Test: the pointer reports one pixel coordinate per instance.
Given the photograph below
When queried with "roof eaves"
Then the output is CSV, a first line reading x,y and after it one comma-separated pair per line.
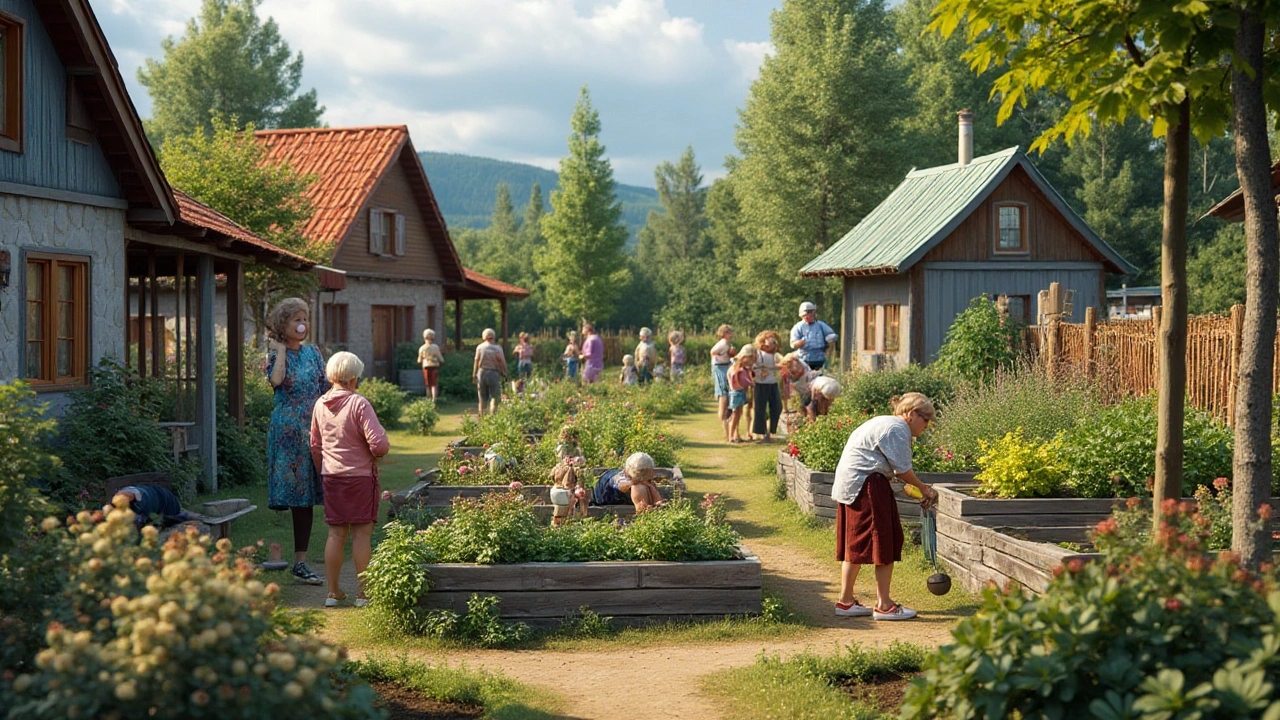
x,y
851,272
415,163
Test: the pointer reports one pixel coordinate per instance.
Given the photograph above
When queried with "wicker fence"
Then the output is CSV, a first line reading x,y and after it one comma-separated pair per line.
x,y
1122,356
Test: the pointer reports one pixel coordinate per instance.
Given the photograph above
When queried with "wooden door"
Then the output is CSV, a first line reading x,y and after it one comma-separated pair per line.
x,y
384,345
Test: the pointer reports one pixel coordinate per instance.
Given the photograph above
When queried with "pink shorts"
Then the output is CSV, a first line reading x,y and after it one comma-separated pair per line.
x,y
351,500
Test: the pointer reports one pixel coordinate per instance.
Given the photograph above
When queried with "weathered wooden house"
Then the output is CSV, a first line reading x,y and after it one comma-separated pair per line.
x,y
86,213
990,225
373,202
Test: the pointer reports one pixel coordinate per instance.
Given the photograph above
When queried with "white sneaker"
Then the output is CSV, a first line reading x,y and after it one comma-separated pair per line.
x,y
897,612
853,609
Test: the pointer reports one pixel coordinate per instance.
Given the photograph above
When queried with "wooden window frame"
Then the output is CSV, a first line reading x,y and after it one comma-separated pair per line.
x,y
392,233
335,323
892,328
1023,216
82,337
11,137
869,342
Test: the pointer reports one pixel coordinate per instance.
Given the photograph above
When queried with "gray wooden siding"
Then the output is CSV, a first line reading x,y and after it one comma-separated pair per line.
x,y
48,159
947,292
881,289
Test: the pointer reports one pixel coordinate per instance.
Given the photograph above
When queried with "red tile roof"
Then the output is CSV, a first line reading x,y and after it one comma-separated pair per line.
x,y
194,212
348,164
495,286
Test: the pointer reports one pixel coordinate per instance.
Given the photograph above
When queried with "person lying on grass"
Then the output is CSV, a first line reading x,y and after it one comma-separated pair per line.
x,y
634,482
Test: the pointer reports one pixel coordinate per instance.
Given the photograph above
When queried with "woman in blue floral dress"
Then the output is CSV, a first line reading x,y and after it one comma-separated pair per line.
x,y
296,371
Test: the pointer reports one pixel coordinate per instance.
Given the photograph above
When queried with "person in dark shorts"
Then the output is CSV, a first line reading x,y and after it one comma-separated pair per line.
x,y
868,529
633,483
147,501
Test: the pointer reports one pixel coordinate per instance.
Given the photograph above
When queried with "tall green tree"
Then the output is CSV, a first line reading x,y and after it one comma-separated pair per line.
x,y
229,63
582,266
227,171
504,223
531,226
1113,59
819,142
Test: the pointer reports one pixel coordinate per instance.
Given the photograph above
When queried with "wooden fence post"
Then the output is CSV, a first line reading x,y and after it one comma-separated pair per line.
x,y
1237,333
1090,341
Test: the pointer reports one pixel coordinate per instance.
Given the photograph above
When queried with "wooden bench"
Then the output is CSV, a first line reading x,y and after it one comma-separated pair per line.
x,y
218,514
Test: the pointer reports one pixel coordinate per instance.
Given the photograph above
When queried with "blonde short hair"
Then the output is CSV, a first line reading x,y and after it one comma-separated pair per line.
x,y
489,334
279,316
524,336
645,333
573,335
720,331
428,334
767,335
826,386
565,475
675,337
638,467
628,359
912,401
343,367
746,351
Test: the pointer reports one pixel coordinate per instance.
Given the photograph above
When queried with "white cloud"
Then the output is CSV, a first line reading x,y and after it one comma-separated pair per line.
x,y
748,56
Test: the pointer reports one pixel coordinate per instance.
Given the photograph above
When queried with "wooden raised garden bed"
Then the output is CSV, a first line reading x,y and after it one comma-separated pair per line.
x,y
811,490
631,592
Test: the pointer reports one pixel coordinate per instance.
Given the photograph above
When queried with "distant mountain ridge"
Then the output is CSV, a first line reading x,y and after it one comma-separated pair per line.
x,y
466,186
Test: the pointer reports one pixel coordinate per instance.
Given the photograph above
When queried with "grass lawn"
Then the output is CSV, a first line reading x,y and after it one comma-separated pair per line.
x,y
500,697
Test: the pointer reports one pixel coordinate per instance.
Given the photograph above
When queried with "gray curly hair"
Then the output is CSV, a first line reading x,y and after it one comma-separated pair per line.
x,y
280,314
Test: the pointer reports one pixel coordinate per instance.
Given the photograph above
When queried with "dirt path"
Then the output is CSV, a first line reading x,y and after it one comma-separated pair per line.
x,y
808,583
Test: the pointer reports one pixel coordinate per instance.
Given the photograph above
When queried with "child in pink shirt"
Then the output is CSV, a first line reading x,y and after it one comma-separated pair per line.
x,y
346,442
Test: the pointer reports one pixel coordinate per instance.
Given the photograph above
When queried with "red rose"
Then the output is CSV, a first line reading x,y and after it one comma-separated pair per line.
x,y
1173,604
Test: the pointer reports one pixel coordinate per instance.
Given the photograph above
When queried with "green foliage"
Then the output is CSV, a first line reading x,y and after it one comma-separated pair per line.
x,y
479,626
422,415
1214,273
226,169
820,146
1024,397
498,695
1112,452
871,392
821,442
24,459
198,638
582,264
454,380
396,578
407,356
242,452
979,343
228,63
1013,467
1156,628
386,398
110,430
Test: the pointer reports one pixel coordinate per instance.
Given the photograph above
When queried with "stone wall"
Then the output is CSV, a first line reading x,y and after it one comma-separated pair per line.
x,y
361,294
32,224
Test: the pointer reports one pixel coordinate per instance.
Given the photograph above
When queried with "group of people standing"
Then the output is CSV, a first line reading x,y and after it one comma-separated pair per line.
x,y
759,369
323,446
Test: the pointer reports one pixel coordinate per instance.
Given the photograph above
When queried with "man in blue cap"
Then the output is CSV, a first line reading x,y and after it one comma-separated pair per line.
x,y
811,336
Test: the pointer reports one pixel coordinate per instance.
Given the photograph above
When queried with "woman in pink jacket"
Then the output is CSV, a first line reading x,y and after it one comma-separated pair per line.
x,y
346,442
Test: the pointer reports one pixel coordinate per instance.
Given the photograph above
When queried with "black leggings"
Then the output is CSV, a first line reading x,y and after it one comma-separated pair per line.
x,y
767,395
302,519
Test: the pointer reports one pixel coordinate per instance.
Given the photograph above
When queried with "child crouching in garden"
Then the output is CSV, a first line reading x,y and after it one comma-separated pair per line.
x,y
346,442
629,375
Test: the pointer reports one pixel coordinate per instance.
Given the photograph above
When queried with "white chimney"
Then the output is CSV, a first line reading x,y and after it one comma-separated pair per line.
x,y
966,136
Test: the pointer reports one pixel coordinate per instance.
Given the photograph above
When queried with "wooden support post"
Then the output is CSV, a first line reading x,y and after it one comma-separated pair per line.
x,y
157,320
235,343
457,324
206,382
128,362
502,306
178,345
1090,341
1233,366
141,325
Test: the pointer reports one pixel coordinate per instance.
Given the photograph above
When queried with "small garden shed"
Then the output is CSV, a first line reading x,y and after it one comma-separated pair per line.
x,y
990,225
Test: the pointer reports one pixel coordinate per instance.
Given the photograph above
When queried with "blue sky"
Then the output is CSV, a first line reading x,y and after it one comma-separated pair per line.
x,y
498,78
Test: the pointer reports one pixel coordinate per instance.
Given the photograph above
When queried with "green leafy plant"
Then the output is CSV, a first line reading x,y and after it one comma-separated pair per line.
x,y
820,443
423,416
979,343
870,392
407,356
387,400
184,629
1014,467
1155,628
481,625
24,459
1112,452
396,577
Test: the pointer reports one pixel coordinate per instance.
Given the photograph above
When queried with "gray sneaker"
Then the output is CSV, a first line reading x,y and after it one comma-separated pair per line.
x,y
305,574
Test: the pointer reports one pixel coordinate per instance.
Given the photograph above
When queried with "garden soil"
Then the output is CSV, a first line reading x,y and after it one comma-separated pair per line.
x,y
657,682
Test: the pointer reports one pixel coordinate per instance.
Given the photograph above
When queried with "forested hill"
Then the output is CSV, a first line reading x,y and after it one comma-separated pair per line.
x,y
465,187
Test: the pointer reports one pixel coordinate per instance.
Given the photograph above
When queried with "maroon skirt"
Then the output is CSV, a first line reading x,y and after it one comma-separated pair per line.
x,y
868,532
351,500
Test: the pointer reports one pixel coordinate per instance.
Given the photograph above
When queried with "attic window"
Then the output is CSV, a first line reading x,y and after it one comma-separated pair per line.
x,y
386,233
1011,228
10,83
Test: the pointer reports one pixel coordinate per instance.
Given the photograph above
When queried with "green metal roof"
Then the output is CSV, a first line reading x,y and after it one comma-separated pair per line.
x,y
927,207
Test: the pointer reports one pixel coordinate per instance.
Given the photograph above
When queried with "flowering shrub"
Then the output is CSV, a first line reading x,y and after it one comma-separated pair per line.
x,y
182,630
1153,629
820,443
1014,467
387,400
422,415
